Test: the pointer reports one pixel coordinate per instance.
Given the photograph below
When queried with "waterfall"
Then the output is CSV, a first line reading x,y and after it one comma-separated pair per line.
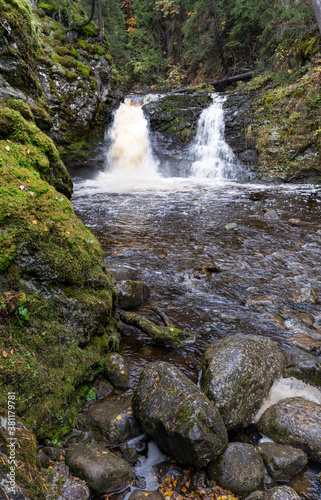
x,y
130,154
213,157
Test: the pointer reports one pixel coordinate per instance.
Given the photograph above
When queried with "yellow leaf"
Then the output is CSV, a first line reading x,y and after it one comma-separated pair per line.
x,y
122,372
45,228
28,151
7,148
157,378
118,417
34,222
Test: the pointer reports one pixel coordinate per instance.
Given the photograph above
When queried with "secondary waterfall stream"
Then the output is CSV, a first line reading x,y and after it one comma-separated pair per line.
x,y
165,224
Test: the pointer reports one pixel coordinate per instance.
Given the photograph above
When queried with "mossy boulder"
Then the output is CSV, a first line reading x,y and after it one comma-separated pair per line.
x,y
56,296
173,410
282,462
295,422
116,369
237,373
303,365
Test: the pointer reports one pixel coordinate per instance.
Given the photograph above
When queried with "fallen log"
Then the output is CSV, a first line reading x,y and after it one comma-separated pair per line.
x,y
162,315
170,336
221,84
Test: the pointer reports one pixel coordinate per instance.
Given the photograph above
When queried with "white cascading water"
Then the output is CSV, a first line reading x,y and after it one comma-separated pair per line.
x,y
130,154
213,157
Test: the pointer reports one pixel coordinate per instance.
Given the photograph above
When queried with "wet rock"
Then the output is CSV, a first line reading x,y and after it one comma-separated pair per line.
x,y
116,369
295,222
230,226
306,295
181,419
168,469
102,470
282,462
145,495
256,495
237,373
302,365
130,455
104,389
132,294
259,301
114,420
240,469
296,422
271,215
198,480
43,461
65,487
52,452
281,493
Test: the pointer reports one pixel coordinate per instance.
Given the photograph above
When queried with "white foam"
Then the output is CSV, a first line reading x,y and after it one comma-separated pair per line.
x,y
288,388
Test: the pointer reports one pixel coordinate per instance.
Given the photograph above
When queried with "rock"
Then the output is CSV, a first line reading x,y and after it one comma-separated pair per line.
x,y
130,455
198,480
145,495
306,295
114,419
116,369
237,373
65,487
271,215
102,470
259,301
231,226
281,493
132,294
256,495
240,469
282,462
296,422
104,389
43,461
302,365
52,452
181,419
295,222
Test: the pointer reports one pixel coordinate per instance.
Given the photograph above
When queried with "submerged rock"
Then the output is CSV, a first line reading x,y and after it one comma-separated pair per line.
x,y
114,420
132,294
296,422
102,470
240,469
237,373
116,369
181,419
306,295
282,462
230,226
281,493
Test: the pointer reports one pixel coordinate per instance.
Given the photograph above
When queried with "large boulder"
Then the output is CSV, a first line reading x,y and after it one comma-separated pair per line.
x,y
114,420
102,470
240,469
237,373
296,422
181,419
282,462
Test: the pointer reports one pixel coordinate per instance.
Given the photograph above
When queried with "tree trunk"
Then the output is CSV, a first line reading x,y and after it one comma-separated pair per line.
x,y
316,4
219,37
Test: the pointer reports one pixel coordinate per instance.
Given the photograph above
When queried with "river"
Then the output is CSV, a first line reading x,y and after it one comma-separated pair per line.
x,y
163,218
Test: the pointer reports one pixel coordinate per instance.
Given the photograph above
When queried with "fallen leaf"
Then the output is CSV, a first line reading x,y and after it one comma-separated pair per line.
x,y
4,353
7,148
157,378
67,232
45,228
122,372
12,351
32,216
61,457
118,417
23,187
28,151
34,222
43,333
32,193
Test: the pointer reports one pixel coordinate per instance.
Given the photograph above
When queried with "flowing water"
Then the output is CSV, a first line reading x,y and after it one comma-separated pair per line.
x,y
161,218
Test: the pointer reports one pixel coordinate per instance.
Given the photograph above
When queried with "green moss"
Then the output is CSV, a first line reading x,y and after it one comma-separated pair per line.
x,y
93,82
22,107
74,52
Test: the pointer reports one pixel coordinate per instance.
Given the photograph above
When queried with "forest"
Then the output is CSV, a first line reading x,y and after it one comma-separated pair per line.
x,y
169,43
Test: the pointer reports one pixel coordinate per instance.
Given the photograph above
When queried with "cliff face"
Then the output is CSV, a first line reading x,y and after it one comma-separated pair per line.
x,y
56,295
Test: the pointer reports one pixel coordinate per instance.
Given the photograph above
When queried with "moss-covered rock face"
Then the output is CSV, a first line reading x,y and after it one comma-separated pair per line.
x,y
177,114
286,128
56,296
